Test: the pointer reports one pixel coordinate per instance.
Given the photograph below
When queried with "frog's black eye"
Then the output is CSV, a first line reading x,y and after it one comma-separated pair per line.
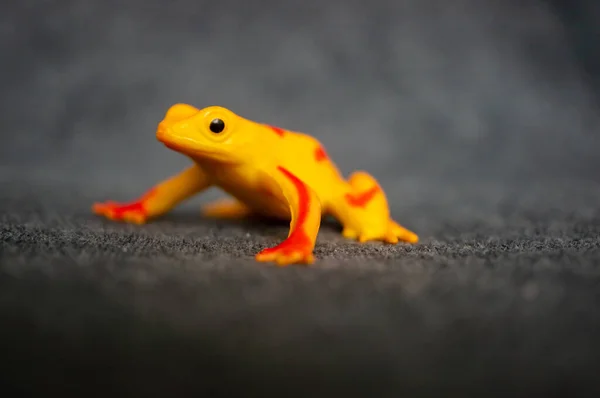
x,y
217,125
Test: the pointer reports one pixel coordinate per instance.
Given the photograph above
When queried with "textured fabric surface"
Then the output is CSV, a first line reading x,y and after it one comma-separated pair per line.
x,y
503,300
479,119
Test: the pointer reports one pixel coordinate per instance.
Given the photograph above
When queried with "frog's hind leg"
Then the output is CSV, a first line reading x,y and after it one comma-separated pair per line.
x,y
226,208
363,211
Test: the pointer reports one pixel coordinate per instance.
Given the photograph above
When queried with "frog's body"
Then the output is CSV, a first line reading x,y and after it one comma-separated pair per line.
x,y
268,171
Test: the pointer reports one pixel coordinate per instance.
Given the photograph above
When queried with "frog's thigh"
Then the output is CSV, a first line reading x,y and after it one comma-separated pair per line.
x,y
364,213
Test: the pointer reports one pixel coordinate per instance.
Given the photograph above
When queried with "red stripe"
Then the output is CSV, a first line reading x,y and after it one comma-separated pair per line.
x,y
362,199
298,240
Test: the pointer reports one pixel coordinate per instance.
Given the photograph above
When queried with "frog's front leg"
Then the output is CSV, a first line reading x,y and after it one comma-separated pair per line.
x,y
363,211
159,199
305,211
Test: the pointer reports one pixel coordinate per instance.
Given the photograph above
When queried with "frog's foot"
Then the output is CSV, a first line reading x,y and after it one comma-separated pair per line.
x,y
136,212
286,253
133,212
226,208
402,233
364,213
392,233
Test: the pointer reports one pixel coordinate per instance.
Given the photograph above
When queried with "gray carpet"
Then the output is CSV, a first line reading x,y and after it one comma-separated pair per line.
x,y
480,122
503,300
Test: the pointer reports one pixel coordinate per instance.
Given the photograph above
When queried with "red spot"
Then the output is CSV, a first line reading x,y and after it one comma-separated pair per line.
x,y
135,207
361,199
279,131
298,240
320,154
138,206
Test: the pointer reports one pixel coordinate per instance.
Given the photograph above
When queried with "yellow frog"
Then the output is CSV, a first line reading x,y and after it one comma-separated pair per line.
x,y
268,171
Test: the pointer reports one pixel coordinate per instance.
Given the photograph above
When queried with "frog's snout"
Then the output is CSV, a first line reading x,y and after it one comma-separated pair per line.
x,y
161,131
165,132
170,136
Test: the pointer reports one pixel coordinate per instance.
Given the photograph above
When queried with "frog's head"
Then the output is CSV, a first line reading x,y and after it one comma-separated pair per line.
x,y
214,133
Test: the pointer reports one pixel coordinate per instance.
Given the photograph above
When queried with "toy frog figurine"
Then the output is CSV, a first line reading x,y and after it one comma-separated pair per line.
x,y
268,171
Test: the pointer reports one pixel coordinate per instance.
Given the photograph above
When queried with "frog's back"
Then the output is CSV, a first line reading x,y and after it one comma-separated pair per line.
x,y
306,157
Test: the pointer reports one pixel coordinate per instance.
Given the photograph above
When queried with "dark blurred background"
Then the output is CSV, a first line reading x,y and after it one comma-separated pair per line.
x,y
480,119
421,92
